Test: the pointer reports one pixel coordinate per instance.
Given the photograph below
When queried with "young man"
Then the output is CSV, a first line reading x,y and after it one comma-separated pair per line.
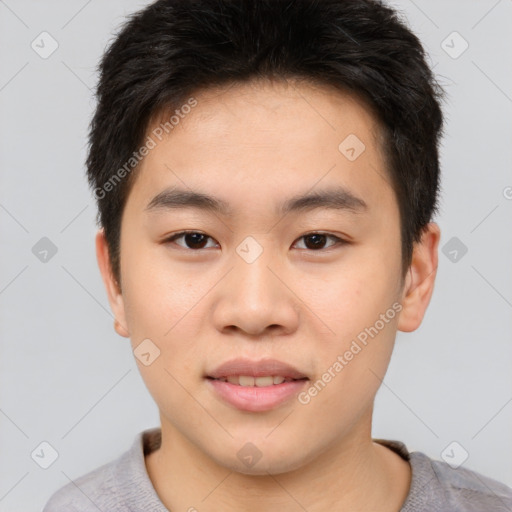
x,y
266,172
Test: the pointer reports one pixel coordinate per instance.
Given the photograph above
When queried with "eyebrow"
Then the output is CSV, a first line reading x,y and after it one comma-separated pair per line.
x,y
338,198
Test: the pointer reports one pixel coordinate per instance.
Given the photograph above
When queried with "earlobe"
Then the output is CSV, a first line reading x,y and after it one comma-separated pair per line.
x,y
420,279
114,294
121,329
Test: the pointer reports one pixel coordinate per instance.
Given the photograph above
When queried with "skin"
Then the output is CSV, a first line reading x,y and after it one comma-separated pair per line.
x,y
254,145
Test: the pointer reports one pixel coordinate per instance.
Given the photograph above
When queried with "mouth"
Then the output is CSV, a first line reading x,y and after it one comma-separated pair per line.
x,y
256,385
261,382
256,394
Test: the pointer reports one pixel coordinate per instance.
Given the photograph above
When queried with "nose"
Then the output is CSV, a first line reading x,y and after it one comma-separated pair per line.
x,y
256,299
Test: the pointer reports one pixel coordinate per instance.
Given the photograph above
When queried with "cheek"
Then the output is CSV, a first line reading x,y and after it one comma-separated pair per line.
x,y
353,298
155,295
350,374
164,305
158,308
361,309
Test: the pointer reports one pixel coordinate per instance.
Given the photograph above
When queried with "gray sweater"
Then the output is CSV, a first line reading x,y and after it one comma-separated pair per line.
x,y
123,485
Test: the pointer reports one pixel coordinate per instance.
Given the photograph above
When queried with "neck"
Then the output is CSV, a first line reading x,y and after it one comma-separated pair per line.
x,y
354,474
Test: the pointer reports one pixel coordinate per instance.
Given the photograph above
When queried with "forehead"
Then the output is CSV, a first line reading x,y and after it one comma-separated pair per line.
x,y
263,139
289,109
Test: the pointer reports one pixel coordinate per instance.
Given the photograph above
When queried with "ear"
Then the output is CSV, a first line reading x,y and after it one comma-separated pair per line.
x,y
114,294
419,283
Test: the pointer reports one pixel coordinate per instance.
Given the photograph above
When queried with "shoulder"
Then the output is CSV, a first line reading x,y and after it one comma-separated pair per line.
x,y
107,487
88,492
438,487
468,490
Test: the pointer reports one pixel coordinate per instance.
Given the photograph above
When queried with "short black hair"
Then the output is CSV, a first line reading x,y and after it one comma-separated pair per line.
x,y
171,49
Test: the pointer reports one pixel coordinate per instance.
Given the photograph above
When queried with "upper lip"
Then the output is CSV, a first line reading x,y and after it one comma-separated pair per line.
x,y
260,368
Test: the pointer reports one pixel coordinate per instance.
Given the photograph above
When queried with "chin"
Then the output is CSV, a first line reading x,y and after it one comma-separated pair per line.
x,y
265,467
252,460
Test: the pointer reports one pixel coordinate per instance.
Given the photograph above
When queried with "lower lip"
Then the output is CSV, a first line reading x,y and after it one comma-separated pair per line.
x,y
254,398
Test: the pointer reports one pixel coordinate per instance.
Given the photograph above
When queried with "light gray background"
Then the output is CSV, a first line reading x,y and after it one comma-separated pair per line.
x,y
67,378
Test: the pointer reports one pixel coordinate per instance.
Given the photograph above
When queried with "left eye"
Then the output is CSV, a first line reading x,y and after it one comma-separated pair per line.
x,y
317,240
196,240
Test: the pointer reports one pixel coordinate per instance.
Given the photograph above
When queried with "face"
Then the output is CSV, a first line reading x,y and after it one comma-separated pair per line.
x,y
313,283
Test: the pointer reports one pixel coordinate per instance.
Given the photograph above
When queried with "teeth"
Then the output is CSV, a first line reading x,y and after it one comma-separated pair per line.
x,y
247,380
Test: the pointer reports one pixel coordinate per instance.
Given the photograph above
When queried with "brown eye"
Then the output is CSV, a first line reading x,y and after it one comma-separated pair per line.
x,y
317,241
193,239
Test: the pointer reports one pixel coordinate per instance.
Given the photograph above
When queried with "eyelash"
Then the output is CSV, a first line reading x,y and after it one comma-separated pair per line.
x,y
338,240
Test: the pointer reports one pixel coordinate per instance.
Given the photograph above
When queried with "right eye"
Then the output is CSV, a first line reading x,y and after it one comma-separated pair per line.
x,y
194,240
